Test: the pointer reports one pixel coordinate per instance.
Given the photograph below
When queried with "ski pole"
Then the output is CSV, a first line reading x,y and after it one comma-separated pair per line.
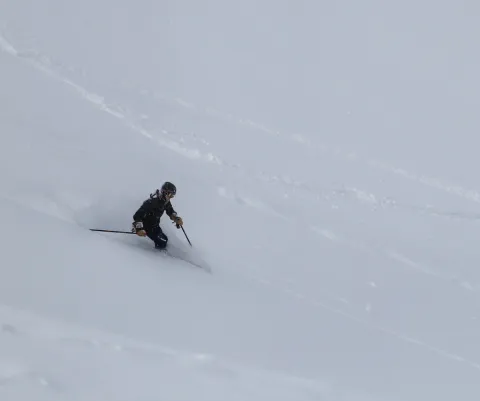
x,y
186,236
112,231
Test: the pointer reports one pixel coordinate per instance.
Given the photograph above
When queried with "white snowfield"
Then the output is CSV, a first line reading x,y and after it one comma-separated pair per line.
x,y
326,161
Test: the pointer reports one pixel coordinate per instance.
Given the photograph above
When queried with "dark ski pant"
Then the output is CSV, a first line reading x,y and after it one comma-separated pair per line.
x,y
156,234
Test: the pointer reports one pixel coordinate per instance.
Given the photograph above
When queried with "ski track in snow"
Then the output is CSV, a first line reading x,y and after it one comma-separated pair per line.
x,y
400,259
285,285
314,302
46,332
52,68
24,324
350,156
46,65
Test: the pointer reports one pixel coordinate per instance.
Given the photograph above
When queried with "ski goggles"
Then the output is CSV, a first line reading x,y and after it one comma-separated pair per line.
x,y
170,194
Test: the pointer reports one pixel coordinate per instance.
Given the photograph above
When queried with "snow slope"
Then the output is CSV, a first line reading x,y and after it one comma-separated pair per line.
x,y
325,160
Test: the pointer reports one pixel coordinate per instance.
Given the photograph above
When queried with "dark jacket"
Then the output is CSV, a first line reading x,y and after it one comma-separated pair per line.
x,y
152,210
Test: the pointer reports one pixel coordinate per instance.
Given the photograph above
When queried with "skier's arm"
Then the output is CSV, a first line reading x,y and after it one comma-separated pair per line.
x,y
142,211
173,215
170,211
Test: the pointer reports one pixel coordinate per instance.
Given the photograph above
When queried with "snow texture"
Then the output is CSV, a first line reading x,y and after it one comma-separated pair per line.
x,y
326,161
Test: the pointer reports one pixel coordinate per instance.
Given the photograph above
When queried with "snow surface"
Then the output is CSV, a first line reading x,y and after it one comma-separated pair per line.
x,y
325,155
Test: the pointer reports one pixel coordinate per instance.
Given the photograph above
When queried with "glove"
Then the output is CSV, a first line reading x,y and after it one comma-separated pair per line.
x,y
177,220
138,229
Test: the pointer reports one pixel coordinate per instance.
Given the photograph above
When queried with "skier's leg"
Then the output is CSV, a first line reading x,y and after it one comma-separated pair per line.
x,y
161,241
157,236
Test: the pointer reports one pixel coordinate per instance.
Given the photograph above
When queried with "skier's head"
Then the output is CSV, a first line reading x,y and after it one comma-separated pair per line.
x,y
168,190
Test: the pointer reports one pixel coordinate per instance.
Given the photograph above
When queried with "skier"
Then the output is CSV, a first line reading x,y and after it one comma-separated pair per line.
x,y
146,220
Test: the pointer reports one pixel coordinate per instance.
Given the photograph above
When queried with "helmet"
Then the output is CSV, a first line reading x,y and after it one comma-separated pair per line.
x,y
169,188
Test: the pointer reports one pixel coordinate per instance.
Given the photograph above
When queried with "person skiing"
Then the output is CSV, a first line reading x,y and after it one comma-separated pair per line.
x,y
146,220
